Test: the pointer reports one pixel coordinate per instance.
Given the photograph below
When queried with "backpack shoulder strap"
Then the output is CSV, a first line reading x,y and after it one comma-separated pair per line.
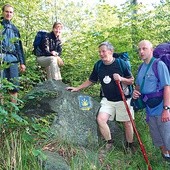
x,y
155,68
98,65
121,63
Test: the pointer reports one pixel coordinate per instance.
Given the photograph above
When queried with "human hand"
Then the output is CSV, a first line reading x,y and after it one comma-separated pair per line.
x,y
54,53
22,67
72,89
165,115
117,77
60,61
136,94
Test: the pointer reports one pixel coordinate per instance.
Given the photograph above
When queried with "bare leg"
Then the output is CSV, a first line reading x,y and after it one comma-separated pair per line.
x,y
102,119
128,131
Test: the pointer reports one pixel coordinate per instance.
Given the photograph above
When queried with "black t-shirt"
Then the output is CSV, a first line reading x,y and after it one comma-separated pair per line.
x,y
104,74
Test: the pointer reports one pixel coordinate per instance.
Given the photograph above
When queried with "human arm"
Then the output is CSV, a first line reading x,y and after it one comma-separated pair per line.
x,y
57,48
127,81
19,52
166,100
87,83
21,57
163,75
56,51
92,79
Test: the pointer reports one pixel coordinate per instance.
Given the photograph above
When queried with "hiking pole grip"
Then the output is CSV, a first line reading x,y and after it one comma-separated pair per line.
x,y
133,125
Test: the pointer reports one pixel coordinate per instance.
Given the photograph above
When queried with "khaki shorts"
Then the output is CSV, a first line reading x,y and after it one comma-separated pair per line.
x,y
116,110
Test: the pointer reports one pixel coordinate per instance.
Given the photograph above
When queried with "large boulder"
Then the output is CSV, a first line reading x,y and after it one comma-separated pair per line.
x,y
74,119
55,162
75,113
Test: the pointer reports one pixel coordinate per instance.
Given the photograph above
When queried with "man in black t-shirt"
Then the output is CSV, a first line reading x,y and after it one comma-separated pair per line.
x,y
112,105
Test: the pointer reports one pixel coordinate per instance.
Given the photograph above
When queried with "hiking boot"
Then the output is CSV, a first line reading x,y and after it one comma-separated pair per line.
x,y
108,147
130,148
167,159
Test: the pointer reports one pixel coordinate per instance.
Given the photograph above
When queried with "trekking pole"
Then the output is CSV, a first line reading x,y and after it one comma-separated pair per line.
x,y
134,127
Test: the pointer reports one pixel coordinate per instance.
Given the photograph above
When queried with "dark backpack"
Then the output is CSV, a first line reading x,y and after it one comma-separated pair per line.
x,y
124,56
40,36
121,56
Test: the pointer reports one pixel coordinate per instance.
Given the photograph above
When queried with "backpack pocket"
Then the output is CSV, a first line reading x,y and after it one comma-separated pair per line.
x,y
138,104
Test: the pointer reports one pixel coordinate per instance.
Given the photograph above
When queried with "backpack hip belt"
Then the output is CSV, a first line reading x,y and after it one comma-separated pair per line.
x,y
152,95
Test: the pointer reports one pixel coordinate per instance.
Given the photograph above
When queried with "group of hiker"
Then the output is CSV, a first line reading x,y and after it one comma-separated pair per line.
x,y
157,105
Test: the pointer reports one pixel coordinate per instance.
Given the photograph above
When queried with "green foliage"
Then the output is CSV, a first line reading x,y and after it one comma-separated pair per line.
x,y
84,30
19,134
18,153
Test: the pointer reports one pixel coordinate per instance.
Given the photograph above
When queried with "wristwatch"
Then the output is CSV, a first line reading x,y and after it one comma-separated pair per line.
x,y
166,107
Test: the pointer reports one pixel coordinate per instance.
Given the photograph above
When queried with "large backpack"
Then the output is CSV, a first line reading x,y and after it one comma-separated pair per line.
x,y
40,36
124,56
162,53
121,56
